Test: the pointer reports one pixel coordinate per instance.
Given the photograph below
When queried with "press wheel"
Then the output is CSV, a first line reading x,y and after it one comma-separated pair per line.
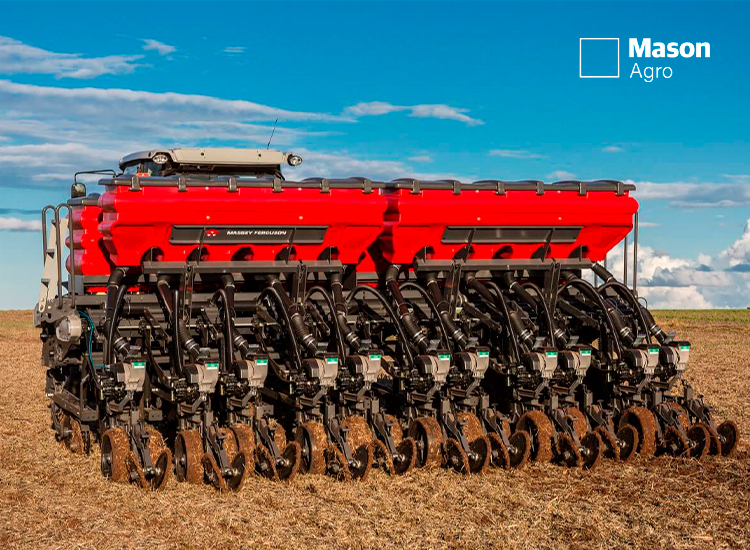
x,y
426,431
644,422
245,438
312,439
115,448
539,427
188,450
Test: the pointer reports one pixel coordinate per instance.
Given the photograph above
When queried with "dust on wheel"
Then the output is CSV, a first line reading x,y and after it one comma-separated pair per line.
x,y
500,457
568,453
381,457
265,465
312,439
426,431
609,440
456,458
539,427
188,456
644,422
115,447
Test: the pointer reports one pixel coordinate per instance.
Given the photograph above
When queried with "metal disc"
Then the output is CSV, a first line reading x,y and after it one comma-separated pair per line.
x,y
500,457
481,453
675,443
243,434
363,459
381,457
520,448
609,439
265,465
336,464
161,458
74,440
699,441
593,450
568,453
729,436
236,481
135,471
312,438
407,452
627,442
291,460
580,424
212,473
455,457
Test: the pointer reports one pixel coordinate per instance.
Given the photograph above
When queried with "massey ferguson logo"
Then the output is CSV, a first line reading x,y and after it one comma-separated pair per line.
x,y
212,232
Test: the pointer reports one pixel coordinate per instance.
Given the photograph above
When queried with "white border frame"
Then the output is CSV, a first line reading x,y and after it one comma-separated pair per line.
x,y
580,56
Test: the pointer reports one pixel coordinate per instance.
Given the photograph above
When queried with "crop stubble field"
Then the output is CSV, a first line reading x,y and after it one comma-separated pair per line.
x,y
51,499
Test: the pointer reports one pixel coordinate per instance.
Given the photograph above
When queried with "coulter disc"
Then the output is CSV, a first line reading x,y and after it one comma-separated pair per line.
x,y
539,427
312,439
115,447
644,422
426,431
609,440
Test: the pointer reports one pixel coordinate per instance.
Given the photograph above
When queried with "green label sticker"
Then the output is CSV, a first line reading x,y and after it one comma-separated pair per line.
x,y
653,351
332,360
375,357
684,348
444,357
139,364
261,361
585,352
551,354
212,365
484,353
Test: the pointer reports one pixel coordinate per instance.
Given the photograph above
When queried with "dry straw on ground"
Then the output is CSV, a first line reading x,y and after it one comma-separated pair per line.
x,y
51,499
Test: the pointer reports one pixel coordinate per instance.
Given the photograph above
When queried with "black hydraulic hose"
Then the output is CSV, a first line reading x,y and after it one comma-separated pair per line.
x,y
649,325
558,335
518,289
269,290
296,321
113,285
176,333
444,310
391,312
588,289
228,326
184,338
519,329
408,320
115,339
337,289
162,287
499,304
433,307
337,328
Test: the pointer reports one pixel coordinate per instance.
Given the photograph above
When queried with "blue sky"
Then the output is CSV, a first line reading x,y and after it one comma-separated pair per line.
x,y
486,90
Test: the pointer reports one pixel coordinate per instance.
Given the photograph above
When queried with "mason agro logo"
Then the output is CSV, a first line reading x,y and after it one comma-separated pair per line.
x,y
660,50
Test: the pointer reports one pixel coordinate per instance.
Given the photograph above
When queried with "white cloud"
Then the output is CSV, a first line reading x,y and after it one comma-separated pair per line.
x,y
19,58
421,158
739,251
514,154
440,111
8,223
695,195
160,47
560,175
648,224
613,149
234,50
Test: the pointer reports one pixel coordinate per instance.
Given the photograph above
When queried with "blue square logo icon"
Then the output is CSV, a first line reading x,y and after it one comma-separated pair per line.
x,y
599,58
